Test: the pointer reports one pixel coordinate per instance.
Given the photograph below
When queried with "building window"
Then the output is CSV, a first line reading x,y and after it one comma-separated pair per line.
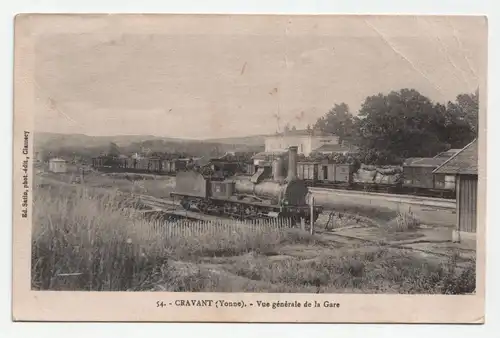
x,y
301,148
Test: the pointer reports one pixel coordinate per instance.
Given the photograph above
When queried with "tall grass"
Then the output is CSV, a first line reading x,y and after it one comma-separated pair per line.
x,y
377,270
86,240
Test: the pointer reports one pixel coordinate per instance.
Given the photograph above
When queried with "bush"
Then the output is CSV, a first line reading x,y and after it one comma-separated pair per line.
x,y
377,270
364,156
377,157
404,221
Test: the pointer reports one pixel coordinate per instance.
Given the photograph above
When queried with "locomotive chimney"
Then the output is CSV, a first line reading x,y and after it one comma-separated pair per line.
x,y
292,163
278,168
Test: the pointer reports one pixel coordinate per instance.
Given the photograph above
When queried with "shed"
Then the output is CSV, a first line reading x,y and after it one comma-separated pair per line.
x,y
57,165
463,165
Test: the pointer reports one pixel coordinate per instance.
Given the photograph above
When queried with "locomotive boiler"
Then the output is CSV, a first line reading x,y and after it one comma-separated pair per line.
x,y
274,190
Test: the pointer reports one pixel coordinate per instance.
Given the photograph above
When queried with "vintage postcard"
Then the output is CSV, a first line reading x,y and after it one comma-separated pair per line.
x,y
249,168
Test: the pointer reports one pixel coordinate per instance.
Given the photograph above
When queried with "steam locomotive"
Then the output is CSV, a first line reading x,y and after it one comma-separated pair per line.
x,y
267,193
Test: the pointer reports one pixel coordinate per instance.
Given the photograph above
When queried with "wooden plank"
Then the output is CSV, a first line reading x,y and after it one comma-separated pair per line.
x,y
459,204
474,205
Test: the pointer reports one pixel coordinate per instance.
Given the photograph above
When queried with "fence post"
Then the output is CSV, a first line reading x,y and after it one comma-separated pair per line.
x,y
312,215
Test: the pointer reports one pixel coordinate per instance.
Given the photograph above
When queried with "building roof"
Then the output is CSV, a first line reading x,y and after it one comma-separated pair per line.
x,y
424,161
447,154
309,162
335,148
266,154
464,162
302,132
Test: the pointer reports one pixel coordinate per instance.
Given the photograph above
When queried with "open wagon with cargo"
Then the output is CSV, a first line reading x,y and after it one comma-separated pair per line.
x,y
387,179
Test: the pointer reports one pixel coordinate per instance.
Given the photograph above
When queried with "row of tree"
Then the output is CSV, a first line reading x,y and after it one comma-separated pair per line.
x,y
402,124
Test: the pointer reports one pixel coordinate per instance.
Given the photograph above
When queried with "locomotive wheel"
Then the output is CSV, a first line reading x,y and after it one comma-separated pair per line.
x,y
295,220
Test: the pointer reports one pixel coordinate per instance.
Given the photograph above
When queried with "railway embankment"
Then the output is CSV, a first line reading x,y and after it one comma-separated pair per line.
x,y
428,210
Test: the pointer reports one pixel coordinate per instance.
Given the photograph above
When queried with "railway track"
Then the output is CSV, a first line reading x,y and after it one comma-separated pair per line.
x,y
381,189
171,209
157,203
331,195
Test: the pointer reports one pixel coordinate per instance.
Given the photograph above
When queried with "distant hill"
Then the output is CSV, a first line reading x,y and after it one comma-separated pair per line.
x,y
256,140
70,140
85,146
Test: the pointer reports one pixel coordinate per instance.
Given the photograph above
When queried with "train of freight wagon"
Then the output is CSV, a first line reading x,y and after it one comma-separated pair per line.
x,y
414,177
159,166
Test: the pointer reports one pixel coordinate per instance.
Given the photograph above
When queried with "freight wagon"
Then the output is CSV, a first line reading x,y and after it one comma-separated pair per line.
x,y
419,178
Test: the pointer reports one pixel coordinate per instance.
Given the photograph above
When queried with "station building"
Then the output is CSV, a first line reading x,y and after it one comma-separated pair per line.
x,y
463,165
306,141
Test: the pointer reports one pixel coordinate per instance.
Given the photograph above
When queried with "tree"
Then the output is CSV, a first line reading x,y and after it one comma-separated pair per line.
x,y
401,124
462,119
466,108
338,121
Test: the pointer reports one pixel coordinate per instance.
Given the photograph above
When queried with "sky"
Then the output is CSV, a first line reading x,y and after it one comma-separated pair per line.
x,y
224,76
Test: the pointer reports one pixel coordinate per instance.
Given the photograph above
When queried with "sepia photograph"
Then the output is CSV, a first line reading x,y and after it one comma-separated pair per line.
x,y
251,156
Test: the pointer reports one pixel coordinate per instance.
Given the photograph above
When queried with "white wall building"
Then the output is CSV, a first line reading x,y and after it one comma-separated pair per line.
x,y
306,141
57,165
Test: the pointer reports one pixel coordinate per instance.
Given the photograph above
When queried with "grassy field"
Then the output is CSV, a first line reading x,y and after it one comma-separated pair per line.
x,y
84,239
